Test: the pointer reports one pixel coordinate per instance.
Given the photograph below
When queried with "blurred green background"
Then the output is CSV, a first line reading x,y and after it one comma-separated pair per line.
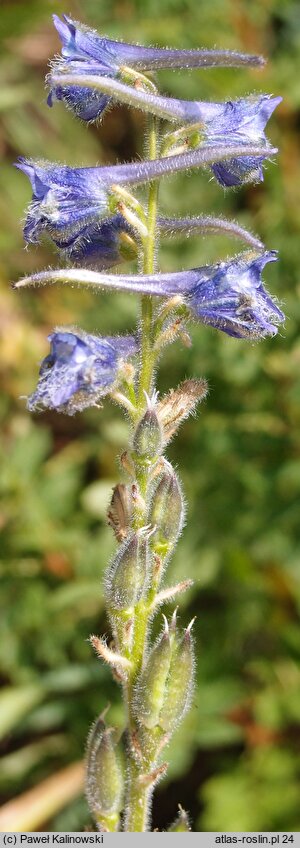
x,y
235,764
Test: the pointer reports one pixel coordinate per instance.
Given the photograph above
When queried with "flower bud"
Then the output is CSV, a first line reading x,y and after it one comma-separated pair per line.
x,y
147,439
166,513
151,686
126,577
104,779
179,683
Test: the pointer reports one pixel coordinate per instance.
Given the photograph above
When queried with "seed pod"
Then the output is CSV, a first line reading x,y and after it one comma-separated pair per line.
x,y
126,577
179,684
147,439
181,823
151,687
166,513
120,511
104,779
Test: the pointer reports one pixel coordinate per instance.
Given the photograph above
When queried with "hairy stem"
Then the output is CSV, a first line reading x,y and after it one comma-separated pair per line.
x,y
147,363
139,794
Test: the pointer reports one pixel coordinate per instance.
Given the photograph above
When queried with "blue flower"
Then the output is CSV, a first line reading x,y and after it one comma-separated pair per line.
x,y
239,120
229,296
231,123
69,203
86,52
106,244
65,201
79,370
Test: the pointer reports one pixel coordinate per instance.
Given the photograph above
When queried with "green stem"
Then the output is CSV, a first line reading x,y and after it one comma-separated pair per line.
x,y
147,359
138,793
138,801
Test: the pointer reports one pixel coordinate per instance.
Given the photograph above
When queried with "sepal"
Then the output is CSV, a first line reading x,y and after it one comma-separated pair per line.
x,y
164,687
127,575
180,682
166,513
117,661
104,777
181,824
150,689
147,438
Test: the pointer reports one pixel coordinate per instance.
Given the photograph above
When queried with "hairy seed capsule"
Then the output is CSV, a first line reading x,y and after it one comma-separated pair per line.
x,y
147,439
126,577
104,779
179,684
151,686
166,513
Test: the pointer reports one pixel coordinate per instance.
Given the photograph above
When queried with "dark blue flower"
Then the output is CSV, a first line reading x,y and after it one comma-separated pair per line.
x,y
237,122
84,52
243,119
65,201
229,296
104,245
79,370
231,123
69,203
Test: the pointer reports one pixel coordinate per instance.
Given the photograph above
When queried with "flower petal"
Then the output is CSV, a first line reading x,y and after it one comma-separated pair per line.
x,y
79,370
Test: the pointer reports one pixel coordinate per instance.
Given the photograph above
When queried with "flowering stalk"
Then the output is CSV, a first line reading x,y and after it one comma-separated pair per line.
x,y
95,221
138,793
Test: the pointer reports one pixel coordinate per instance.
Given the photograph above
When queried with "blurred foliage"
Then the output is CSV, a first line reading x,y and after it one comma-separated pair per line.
x,y
236,761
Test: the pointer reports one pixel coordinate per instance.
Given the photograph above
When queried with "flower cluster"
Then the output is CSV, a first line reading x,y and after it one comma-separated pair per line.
x,y
85,53
96,223
88,76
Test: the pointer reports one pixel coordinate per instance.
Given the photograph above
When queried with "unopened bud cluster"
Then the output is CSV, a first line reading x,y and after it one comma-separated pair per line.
x,y
146,523
146,514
